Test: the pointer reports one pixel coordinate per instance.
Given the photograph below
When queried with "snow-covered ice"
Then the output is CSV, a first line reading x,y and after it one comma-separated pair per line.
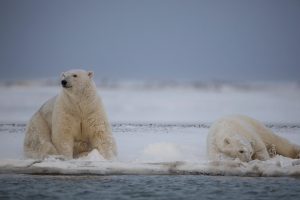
x,y
278,103
158,131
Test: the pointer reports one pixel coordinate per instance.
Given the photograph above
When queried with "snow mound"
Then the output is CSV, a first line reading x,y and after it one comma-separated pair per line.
x,y
168,152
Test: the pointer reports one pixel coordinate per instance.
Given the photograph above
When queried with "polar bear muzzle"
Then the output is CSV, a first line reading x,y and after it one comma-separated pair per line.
x,y
65,84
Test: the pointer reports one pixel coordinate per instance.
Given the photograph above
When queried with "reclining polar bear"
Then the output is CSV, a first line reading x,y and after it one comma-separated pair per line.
x,y
247,139
72,123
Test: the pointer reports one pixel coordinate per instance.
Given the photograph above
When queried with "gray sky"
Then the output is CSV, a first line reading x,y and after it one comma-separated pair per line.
x,y
154,39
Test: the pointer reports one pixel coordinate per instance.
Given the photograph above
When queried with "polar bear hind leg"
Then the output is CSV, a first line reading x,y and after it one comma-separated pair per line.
x,y
37,143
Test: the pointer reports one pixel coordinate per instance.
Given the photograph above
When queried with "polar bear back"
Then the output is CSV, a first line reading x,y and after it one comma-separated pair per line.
x,y
46,110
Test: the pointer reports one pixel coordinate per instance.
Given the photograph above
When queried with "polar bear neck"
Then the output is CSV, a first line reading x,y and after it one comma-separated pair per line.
x,y
83,99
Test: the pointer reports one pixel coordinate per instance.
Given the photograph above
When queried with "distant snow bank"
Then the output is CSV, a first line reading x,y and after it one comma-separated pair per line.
x,y
110,84
270,103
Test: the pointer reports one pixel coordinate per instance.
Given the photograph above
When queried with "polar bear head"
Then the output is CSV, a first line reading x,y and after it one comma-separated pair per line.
x,y
75,81
237,146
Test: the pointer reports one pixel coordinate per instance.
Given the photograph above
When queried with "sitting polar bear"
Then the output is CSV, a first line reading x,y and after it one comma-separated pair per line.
x,y
247,139
72,123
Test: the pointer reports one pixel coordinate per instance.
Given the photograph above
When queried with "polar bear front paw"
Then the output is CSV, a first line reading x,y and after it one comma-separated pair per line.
x,y
48,149
272,150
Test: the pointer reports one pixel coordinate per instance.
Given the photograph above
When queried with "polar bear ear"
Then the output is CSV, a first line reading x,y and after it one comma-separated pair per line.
x,y
62,74
226,141
90,74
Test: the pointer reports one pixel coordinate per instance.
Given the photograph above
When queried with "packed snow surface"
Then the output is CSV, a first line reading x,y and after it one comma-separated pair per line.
x,y
158,131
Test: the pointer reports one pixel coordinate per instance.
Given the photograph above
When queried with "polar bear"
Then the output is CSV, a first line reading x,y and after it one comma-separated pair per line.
x,y
72,123
245,138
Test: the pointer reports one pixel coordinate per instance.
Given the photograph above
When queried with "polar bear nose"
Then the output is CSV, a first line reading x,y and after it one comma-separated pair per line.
x,y
64,82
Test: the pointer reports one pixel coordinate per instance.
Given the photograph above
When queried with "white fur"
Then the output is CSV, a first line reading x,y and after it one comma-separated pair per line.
x,y
247,139
72,123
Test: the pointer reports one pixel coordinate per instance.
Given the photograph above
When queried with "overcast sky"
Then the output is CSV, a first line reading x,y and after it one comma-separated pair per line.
x,y
154,39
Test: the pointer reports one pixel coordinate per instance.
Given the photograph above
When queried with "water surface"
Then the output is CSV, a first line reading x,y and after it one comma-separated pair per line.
x,y
147,187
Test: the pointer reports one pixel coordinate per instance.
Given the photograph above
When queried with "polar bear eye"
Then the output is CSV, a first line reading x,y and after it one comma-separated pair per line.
x,y
74,75
241,151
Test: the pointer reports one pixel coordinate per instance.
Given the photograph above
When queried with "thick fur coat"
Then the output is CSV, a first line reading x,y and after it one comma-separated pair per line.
x,y
247,139
72,123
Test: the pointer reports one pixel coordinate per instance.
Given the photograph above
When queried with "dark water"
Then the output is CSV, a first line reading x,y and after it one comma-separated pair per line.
x,y
147,187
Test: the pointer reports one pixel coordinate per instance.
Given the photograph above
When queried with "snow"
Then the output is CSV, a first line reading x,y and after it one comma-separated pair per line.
x,y
272,104
158,131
